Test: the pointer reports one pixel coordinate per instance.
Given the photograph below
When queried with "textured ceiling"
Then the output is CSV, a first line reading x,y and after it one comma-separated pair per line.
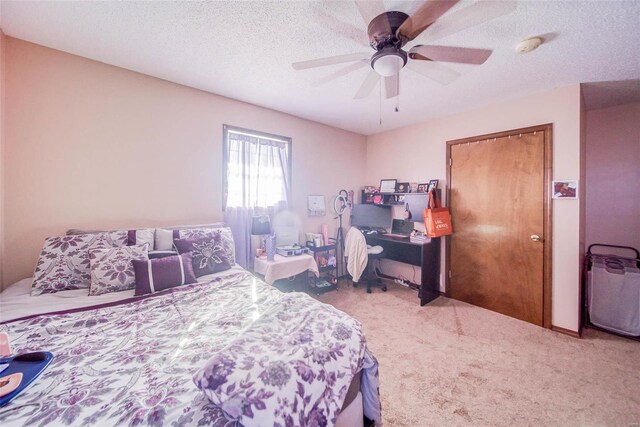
x,y
244,50
608,94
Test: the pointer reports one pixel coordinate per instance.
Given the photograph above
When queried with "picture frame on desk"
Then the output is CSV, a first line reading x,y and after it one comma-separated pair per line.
x,y
433,185
402,187
388,185
422,188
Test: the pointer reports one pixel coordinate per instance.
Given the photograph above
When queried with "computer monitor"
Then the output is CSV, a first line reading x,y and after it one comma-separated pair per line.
x,y
371,216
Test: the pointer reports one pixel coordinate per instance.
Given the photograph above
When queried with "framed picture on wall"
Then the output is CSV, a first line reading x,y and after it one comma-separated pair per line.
x,y
315,205
567,189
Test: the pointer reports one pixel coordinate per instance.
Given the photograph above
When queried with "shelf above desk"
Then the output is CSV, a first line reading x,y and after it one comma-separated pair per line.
x,y
395,199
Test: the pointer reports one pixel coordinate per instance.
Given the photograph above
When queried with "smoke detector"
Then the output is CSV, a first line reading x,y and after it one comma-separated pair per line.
x,y
527,45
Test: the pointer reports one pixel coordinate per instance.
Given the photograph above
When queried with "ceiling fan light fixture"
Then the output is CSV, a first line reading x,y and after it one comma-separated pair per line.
x,y
389,62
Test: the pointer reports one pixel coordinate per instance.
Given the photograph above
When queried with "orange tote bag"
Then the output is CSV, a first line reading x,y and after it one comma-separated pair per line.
x,y
437,220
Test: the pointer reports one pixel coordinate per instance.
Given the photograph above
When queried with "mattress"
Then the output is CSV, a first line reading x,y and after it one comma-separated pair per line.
x,y
121,359
16,301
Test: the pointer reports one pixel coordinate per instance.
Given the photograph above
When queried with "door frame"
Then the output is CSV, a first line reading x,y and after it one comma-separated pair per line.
x,y
547,209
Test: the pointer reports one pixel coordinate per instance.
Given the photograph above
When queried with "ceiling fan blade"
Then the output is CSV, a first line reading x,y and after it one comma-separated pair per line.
x,y
434,70
341,72
477,13
367,85
369,9
338,59
341,28
391,86
426,15
462,55
409,6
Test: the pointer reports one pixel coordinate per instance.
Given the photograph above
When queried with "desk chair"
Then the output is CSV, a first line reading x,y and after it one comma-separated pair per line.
x,y
360,260
371,277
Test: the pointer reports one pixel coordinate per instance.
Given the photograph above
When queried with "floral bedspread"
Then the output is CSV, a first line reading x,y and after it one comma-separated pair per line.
x,y
134,363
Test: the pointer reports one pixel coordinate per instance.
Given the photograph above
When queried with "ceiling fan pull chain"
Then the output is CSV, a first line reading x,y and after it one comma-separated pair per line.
x,y
380,86
398,91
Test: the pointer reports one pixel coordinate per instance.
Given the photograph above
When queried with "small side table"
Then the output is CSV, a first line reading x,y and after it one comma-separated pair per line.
x,y
283,267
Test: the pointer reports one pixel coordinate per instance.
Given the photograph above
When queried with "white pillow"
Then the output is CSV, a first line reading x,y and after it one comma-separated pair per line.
x,y
163,239
146,235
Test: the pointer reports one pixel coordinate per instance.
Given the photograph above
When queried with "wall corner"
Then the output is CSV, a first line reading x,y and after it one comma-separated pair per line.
x,y
3,44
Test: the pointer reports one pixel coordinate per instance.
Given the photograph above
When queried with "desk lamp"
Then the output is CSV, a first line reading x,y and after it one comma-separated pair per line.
x,y
261,226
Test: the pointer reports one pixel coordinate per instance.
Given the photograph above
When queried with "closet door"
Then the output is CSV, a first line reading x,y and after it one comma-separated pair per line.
x,y
498,195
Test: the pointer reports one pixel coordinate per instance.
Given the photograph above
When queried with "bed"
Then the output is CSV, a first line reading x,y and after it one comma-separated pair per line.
x,y
126,360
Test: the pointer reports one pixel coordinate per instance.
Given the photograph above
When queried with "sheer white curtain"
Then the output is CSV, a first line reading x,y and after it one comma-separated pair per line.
x,y
257,179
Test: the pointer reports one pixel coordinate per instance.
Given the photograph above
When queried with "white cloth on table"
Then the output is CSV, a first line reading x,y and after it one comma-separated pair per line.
x,y
282,267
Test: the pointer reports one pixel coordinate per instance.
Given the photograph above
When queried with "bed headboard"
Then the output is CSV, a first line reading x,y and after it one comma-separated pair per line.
x,y
74,231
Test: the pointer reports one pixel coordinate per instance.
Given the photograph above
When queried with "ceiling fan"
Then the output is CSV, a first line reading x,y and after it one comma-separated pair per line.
x,y
390,32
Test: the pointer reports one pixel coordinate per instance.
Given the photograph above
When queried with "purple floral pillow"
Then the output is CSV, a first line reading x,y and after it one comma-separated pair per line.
x,y
222,235
194,233
112,269
64,261
208,254
159,274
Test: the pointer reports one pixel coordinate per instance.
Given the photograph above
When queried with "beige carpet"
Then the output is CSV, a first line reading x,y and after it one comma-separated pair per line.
x,y
451,363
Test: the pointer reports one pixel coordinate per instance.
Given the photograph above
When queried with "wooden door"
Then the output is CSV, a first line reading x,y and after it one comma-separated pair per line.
x,y
498,193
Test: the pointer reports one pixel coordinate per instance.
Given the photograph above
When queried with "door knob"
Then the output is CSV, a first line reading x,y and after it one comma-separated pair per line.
x,y
536,238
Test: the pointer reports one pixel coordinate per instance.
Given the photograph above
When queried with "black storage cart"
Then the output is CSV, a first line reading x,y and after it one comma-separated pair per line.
x,y
328,277
611,290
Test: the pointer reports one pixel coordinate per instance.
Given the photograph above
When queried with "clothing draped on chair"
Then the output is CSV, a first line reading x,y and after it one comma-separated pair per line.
x,y
257,181
355,249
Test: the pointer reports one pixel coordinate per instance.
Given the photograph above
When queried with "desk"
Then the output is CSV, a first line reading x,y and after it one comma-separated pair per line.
x,y
282,266
424,255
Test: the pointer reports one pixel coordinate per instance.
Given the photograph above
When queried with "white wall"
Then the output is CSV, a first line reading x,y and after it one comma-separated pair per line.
x,y
89,145
417,153
613,175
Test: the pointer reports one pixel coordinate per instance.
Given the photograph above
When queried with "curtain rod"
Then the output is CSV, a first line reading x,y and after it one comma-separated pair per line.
x,y
257,136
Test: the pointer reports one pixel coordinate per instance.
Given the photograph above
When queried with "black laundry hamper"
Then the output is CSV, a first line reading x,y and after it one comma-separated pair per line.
x,y
611,290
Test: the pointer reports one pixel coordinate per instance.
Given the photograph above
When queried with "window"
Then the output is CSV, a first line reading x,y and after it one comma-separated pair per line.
x,y
257,169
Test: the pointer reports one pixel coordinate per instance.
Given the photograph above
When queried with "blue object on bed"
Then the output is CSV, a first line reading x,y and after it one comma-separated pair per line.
x,y
30,364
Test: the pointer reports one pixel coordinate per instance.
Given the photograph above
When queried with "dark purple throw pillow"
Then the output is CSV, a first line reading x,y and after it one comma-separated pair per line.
x,y
208,254
163,273
161,254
